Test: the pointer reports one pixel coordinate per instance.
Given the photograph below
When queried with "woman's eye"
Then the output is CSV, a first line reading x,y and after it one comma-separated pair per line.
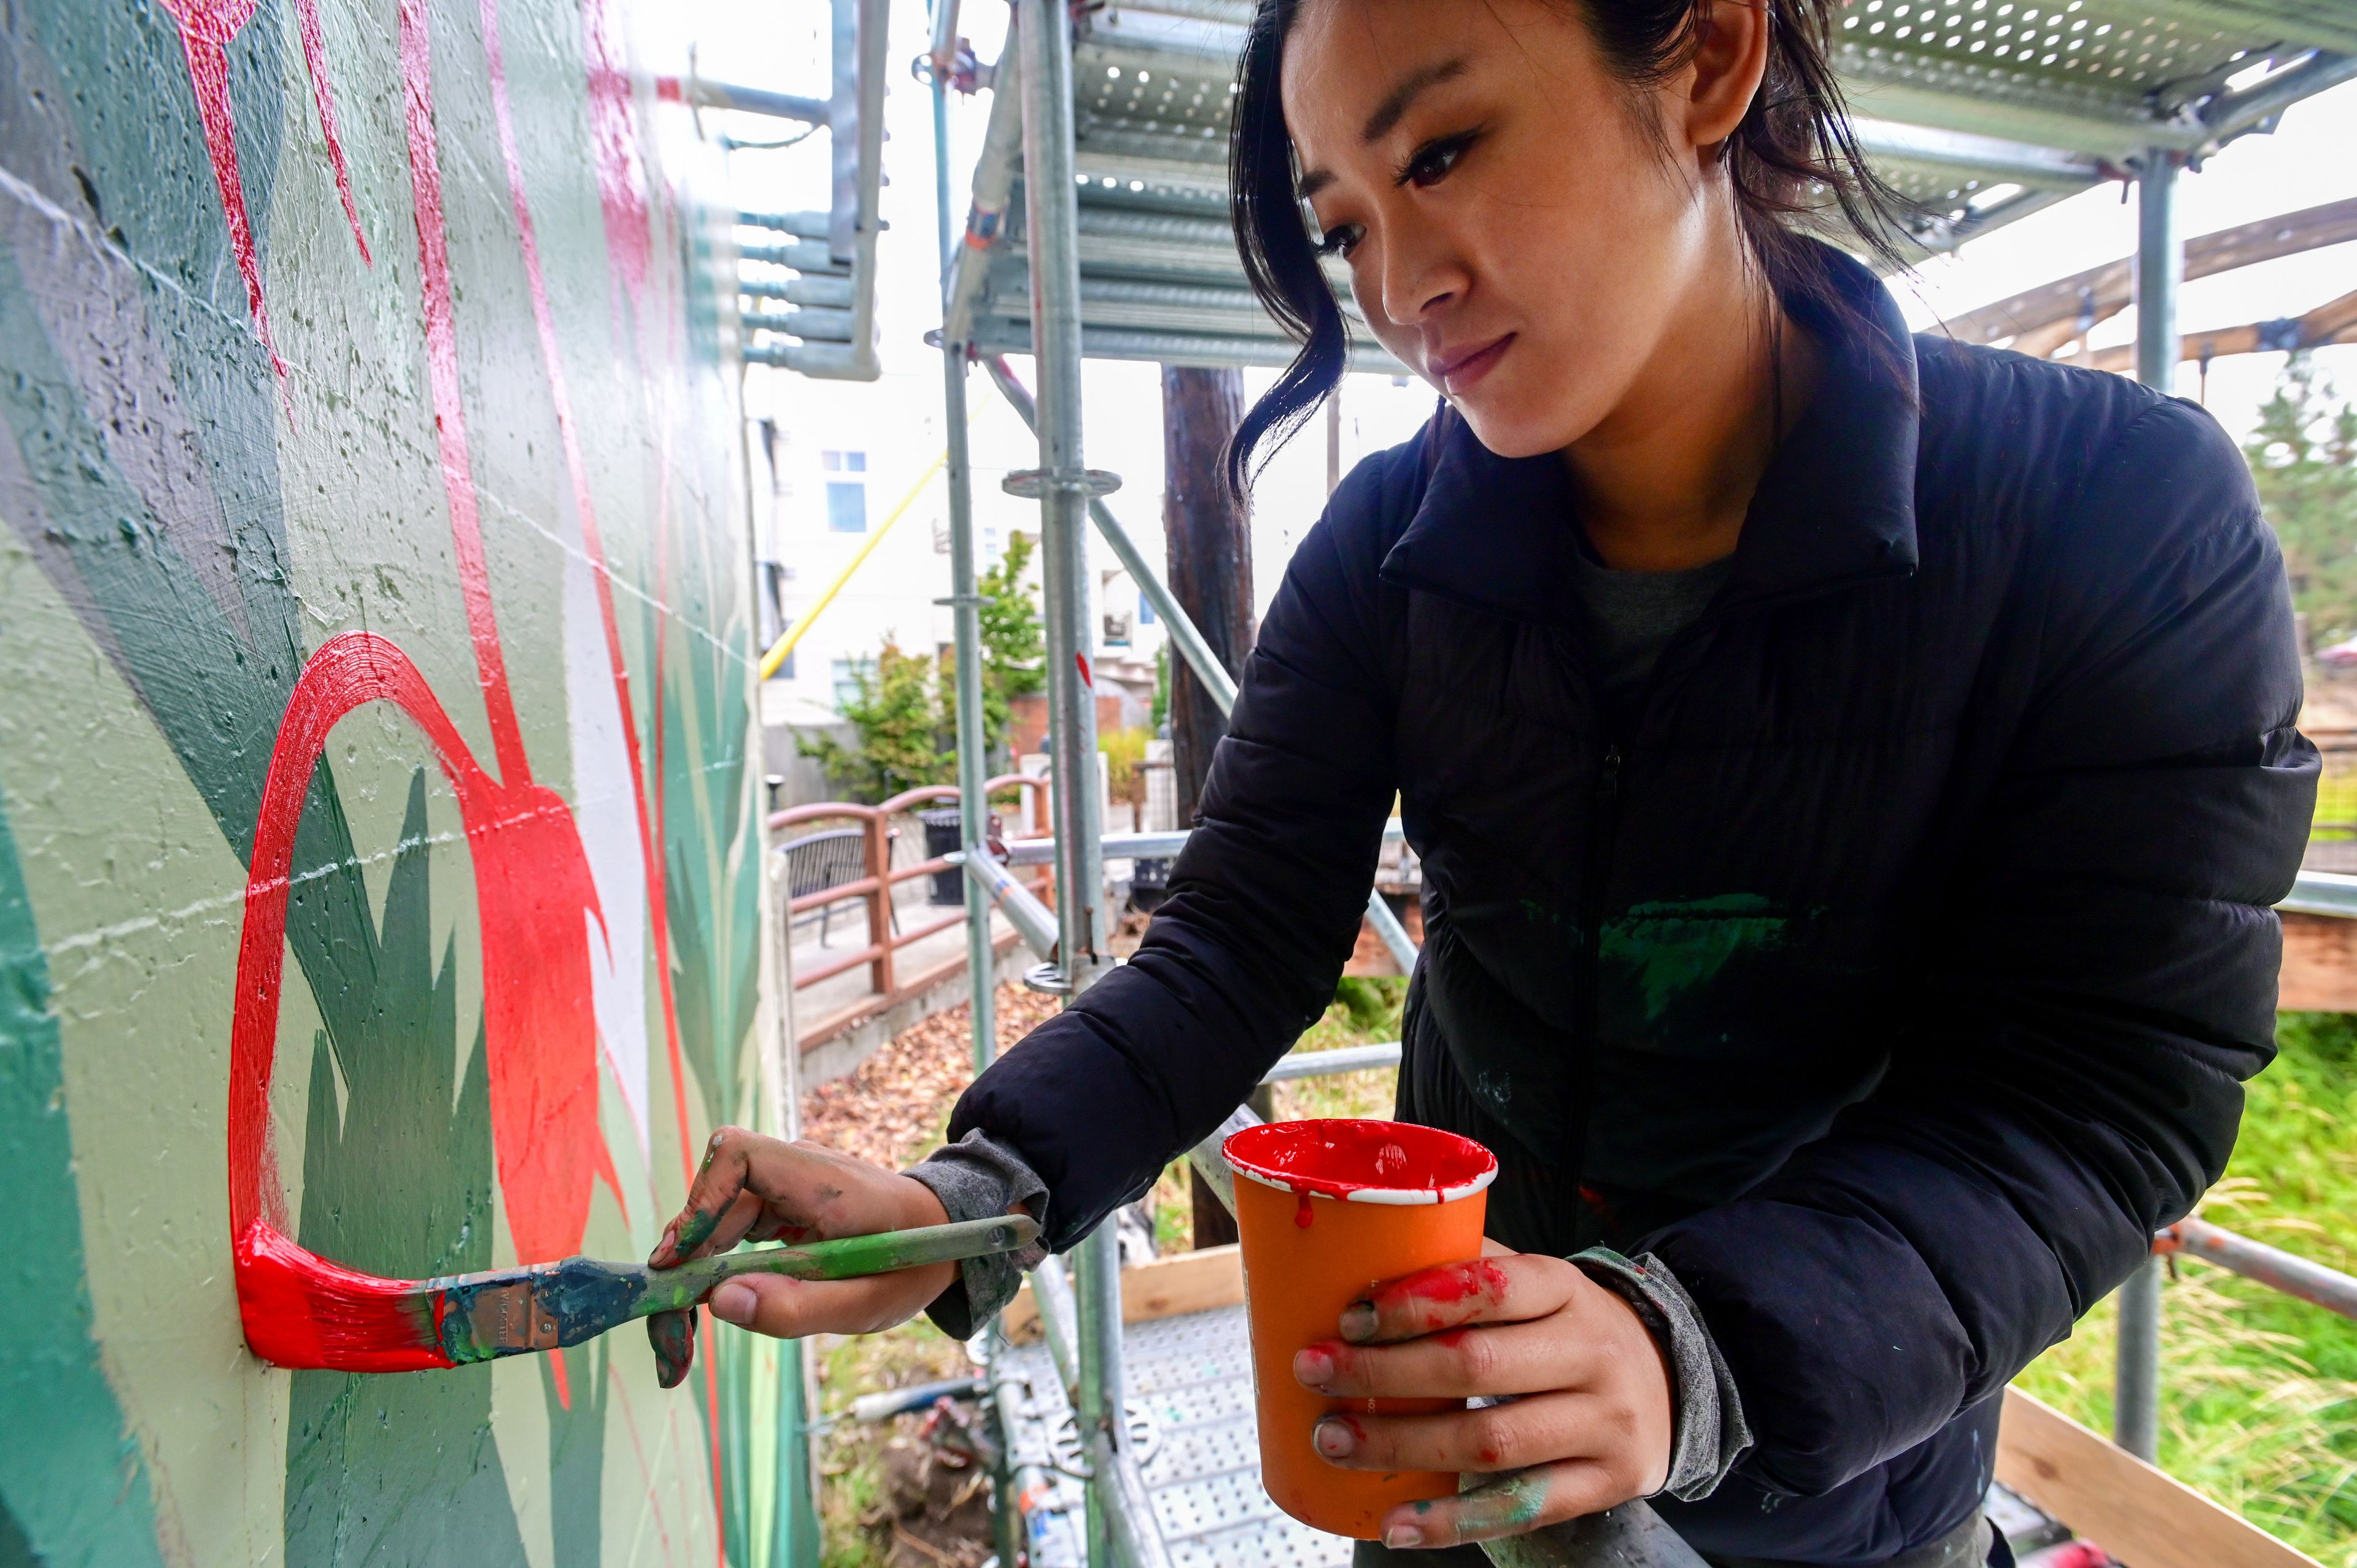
x,y
1338,241
1430,163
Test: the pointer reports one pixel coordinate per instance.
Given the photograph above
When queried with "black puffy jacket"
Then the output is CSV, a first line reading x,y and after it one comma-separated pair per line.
x,y
1892,975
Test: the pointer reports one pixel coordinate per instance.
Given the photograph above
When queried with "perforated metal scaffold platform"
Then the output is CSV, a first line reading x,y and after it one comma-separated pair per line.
x,y
1190,1396
1981,111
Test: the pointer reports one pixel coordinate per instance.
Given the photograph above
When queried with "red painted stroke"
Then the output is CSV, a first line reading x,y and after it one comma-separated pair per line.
x,y
593,542
614,143
207,29
322,95
531,889
416,52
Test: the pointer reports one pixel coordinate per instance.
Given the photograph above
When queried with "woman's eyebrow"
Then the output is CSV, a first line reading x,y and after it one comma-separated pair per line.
x,y
1387,115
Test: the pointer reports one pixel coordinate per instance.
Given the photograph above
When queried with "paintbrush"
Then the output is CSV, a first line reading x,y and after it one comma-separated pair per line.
x,y
355,1322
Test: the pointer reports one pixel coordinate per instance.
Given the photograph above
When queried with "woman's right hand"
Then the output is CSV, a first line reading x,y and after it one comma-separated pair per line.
x,y
751,1187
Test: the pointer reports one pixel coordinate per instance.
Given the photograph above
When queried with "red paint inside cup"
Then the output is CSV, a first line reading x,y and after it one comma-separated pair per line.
x,y
1338,1156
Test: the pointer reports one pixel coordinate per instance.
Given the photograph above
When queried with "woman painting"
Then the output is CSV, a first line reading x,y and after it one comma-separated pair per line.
x,y
1851,774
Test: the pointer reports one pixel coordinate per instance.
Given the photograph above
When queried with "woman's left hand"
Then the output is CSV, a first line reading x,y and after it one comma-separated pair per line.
x,y
1590,1425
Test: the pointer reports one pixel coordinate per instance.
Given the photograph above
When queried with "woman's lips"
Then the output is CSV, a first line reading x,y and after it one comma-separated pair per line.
x,y
1457,373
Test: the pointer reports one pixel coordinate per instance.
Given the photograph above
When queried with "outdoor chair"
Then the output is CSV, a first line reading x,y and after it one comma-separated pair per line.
x,y
817,862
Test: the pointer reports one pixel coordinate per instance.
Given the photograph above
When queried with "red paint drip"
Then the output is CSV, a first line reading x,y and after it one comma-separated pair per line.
x,y
1086,679
207,29
1301,1214
532,890
1341,1155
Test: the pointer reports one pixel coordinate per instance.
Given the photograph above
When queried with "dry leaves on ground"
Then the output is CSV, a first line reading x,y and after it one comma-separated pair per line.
x,y
891,1108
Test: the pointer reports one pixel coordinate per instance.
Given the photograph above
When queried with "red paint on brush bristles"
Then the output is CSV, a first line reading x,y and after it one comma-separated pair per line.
x,y
301,1310
1338,1156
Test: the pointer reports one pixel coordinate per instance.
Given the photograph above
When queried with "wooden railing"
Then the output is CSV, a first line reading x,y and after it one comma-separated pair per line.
x,y
887,985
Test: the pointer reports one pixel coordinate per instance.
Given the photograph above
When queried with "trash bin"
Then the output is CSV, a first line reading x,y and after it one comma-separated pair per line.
x,y
941,838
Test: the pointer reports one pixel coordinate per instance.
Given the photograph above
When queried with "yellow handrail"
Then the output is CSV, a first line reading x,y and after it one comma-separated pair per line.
x,y
784,646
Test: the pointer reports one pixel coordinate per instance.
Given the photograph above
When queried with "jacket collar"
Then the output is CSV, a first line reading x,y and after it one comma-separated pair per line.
x,y
1837,503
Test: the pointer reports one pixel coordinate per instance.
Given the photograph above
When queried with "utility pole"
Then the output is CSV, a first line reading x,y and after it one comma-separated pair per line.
x,y
1209,543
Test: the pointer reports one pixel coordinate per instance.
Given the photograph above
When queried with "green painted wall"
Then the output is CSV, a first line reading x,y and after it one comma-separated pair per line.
x,y
397,324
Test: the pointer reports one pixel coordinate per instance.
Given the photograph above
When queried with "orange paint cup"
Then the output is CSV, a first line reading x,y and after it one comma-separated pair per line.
x,y
1325,1211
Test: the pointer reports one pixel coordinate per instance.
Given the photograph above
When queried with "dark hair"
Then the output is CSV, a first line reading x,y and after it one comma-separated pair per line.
x,y
1792,159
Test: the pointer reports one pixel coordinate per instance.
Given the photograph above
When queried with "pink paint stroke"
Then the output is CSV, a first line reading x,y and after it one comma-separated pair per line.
x,y
207,27
585,506
450,401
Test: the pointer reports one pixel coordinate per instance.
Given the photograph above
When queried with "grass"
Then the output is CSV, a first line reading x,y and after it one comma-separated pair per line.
x,y
2259,1390
854,1511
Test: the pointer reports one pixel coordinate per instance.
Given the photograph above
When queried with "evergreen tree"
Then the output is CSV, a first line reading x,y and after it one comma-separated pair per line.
x,y
2303,456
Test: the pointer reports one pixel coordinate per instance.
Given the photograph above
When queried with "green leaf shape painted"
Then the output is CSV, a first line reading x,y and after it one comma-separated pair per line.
x,y
712,847
70,1475
1672,950
401,1468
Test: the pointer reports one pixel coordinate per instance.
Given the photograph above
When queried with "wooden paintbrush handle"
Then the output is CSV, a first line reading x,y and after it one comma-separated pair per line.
x,y
852,1257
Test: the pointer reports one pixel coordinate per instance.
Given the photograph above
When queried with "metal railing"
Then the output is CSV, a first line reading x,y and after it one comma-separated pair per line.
x,y
873,891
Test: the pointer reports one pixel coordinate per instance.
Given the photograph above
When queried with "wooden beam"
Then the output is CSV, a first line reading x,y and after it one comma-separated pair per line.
x,y
2100,292
1166,1287
2320,965
2335,321
2120,1503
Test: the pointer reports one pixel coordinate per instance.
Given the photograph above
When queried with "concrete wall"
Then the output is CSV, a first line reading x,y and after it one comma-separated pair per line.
x,y
373,558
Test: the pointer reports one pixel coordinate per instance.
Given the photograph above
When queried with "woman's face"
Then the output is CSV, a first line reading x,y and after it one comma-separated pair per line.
x,y
1514,231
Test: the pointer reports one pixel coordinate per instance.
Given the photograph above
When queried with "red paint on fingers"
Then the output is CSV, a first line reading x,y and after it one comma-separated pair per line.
x,y
1454,1282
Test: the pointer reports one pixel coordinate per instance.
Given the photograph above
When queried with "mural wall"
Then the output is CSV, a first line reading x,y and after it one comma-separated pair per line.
x,y
379,868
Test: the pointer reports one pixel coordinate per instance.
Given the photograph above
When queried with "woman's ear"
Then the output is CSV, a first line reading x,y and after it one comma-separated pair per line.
x,y
1729,59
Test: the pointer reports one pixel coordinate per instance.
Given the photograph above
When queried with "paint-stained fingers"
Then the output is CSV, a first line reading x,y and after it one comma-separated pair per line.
x,y
1512,1503
790,1309
1456,1363
1507,1287
1512,1436
736,1223
719,1182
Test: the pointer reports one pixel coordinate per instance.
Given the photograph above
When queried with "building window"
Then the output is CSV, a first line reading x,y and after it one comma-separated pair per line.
x,y
1145,610
846,499
848,674
847,507
1116,630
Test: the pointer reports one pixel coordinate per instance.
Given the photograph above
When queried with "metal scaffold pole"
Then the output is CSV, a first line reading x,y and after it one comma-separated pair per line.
x,y
972,763
1064,486
2160,268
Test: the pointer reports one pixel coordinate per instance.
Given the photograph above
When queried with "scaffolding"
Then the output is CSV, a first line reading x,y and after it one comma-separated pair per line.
x,y
1110,122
